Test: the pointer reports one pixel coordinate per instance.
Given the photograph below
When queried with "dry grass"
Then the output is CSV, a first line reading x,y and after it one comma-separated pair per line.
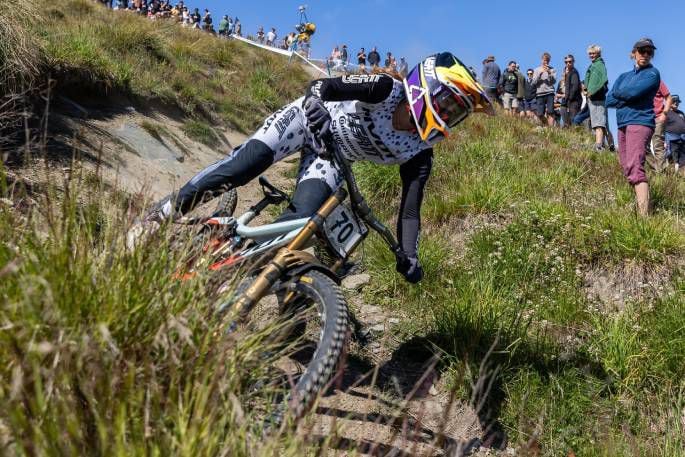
x,y
20,53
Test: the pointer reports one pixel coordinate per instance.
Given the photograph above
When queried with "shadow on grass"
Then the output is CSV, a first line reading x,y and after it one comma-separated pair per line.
x,y
416,364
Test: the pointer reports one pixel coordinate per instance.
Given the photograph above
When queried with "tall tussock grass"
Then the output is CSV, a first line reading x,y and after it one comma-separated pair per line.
x,y
104,351
20,52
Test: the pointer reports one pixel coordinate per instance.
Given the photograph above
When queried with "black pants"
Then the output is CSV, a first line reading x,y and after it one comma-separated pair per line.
x,y
678,152
572,108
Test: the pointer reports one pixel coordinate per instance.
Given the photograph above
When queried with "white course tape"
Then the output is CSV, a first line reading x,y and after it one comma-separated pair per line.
x,y
311,63
283,52
263,46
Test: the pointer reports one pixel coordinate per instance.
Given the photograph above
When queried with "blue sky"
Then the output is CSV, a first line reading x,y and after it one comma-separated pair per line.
x,y
473,29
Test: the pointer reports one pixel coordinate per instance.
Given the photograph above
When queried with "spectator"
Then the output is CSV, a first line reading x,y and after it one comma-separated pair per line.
x,y
675,134
223,26
544,78
390,62
662,105
597,84
176,12
238,27
361,57
510,83
335,53
521,88
404,67
560,101
291,40
491,79
572,93
374,58
195,18
271,37
334,58
260,35
231,26
633,97
529,108
207,21
344,56
185,17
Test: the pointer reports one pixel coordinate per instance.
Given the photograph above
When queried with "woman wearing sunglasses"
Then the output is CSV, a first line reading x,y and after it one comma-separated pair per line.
x,y
633,98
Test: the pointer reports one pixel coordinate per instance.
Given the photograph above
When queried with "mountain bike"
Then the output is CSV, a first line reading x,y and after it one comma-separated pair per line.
x,y
277,264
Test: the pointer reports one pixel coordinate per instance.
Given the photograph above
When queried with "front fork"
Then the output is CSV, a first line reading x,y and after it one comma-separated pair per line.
x,y
287,257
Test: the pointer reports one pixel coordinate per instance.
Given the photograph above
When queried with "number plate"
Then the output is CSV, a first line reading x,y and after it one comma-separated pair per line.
x,y
343,230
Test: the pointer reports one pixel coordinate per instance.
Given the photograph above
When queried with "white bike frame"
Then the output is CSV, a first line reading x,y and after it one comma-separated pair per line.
x,y
266,237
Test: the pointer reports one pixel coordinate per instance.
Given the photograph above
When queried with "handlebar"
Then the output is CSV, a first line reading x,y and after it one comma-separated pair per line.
x,y
359,204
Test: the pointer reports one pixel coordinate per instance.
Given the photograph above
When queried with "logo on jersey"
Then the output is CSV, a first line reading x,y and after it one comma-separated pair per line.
x,y
285,120
270,120
316,88
361,79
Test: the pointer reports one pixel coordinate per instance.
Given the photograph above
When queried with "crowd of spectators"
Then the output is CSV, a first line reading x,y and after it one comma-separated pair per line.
x,y
192,18
339,60
651,127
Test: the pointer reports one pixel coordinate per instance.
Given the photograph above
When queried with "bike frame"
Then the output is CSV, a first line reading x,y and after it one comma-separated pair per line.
x,y
291,261
266,237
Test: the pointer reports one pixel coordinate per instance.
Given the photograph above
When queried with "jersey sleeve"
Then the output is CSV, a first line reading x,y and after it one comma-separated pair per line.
x,y
366,88
414,174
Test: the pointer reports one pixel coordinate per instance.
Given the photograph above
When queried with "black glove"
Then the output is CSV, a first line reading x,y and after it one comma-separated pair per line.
x,y
318,117
409,267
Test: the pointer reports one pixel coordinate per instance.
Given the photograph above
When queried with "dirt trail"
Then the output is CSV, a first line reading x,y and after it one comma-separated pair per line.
x,y
390,400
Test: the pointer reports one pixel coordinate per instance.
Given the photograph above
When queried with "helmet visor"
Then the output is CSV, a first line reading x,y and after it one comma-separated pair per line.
x,y
450,108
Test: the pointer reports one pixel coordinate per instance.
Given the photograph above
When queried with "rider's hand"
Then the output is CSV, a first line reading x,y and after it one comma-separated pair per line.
x,y
318,117
409,267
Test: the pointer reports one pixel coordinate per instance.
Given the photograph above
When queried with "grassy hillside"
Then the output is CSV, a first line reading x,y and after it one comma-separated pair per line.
x,y
539,276
524,229
92,51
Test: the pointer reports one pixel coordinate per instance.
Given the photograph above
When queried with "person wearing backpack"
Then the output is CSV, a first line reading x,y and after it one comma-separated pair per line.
x,y
597,85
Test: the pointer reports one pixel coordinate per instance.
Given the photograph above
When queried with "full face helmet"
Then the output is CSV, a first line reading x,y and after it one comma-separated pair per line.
x,y
442,92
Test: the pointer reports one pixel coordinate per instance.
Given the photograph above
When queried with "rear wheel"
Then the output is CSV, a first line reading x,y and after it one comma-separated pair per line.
x,y
311,331
206,239
227,204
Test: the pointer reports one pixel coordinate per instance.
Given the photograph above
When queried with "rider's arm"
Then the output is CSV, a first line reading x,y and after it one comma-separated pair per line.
x,y
414,174
366,88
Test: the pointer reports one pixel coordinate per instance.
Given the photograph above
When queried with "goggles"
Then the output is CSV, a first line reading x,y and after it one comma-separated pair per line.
x,y
449,108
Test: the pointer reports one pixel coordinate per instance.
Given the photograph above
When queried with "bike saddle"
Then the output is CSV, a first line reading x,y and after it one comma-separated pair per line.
x,y
274,194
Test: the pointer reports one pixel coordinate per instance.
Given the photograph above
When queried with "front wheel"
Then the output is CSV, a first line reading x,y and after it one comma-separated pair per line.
x,y
317,325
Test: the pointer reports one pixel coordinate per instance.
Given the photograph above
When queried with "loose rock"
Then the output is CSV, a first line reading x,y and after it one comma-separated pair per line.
x,y
356,282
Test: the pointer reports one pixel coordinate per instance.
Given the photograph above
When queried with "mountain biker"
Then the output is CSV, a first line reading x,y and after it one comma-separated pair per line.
x,y
371,117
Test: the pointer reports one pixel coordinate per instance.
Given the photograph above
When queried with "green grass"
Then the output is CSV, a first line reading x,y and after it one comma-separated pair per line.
x,y
202,132
103,351
91,50
540,210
